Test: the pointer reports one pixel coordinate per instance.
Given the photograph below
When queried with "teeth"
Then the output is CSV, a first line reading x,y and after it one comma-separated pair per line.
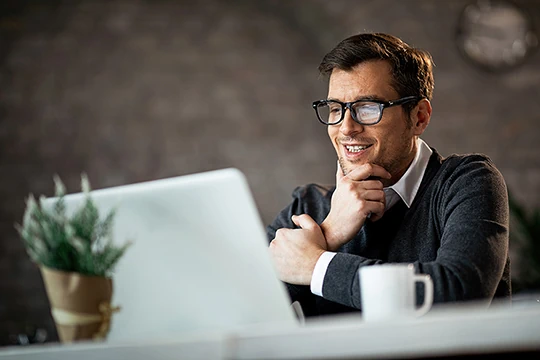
x,y
356,148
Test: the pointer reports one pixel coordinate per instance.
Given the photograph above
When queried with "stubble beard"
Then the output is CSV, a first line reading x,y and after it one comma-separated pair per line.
x,y
393,166
347,166
343,165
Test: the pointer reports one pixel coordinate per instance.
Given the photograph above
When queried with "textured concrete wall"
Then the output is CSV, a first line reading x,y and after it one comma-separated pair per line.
x,y
129,91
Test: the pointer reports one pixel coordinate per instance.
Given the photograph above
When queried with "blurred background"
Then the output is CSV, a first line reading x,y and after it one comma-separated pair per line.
x,y
130,91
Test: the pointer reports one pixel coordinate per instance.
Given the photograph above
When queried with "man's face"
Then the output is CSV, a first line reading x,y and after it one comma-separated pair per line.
x,y
391,142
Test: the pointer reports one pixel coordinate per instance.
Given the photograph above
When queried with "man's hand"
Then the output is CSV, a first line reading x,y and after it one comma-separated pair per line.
x,y
296,251
356,197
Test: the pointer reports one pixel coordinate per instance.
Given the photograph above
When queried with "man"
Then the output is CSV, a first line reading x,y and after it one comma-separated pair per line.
x,y
396,200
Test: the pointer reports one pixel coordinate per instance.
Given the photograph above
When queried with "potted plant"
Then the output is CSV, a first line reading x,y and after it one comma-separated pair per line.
x,y
76,257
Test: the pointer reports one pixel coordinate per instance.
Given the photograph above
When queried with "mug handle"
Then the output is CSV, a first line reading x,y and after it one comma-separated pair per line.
x,y
428,293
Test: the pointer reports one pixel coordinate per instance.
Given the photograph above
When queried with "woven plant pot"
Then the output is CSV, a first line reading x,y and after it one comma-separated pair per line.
x,y
80,305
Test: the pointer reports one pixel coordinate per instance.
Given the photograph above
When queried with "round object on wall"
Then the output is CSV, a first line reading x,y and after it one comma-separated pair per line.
x,y
496,35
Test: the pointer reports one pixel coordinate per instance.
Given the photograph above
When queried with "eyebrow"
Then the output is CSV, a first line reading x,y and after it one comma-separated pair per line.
x,y
366,97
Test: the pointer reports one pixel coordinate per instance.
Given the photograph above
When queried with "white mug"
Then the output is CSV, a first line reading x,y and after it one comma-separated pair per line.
x,y
388,291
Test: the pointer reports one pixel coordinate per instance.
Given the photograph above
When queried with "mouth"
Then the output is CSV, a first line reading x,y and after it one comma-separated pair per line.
x,y
356,148
356,152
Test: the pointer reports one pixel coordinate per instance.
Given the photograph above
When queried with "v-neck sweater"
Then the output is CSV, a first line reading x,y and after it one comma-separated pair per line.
x,y
456,230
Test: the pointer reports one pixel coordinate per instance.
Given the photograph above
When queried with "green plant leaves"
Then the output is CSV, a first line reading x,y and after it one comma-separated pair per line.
x,y
81,243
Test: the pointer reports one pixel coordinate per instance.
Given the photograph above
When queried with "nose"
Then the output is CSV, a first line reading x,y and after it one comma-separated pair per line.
x,y
348,126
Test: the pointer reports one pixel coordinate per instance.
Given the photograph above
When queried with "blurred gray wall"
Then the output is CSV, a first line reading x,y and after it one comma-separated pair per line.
x,y
129,91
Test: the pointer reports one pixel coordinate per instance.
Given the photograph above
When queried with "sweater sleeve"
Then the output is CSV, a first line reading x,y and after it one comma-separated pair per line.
x,y
471,217
283,220
310,199
474,217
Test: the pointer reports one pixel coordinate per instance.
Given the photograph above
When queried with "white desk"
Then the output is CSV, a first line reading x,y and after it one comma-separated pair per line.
x,y
444,332
200,347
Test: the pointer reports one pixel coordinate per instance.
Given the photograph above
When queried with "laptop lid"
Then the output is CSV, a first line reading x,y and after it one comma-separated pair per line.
x,y
198,261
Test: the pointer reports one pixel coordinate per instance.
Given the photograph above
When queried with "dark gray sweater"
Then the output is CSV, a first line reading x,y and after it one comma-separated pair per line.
x,y
456,230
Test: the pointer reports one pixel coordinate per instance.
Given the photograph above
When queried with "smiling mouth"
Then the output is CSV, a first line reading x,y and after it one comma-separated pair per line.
x,y
356,148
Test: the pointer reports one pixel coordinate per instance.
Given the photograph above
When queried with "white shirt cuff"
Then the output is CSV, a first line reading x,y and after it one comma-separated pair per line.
x,y
319,272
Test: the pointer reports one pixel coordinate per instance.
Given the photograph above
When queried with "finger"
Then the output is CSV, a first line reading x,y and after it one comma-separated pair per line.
x,y
339,173
304,221
369,170
373,195
372,185
376,209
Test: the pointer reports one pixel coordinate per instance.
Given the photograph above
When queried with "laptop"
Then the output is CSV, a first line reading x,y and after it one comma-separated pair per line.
x,y
199,259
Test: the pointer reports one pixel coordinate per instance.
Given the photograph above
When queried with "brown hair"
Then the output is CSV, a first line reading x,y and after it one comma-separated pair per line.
x,y
412,68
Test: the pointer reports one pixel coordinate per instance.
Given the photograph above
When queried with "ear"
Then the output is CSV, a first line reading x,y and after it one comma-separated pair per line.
x,y
420,116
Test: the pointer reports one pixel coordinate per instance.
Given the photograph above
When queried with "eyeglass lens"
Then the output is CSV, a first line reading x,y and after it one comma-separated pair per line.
x,y
364,112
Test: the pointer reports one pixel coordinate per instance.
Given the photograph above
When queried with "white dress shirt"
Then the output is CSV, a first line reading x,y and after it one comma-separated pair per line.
x,y
405,188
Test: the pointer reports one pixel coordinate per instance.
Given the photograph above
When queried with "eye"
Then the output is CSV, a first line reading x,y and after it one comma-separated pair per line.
x,y
334,108
367,112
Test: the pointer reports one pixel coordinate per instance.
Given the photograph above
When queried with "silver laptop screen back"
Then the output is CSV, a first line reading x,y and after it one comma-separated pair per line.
x,y
199,258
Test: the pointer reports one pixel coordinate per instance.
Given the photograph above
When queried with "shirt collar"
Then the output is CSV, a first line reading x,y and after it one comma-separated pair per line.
x,y
408,185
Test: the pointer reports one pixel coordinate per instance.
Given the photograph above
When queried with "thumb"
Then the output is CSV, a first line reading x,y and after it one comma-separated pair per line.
x,y
304,221
339,173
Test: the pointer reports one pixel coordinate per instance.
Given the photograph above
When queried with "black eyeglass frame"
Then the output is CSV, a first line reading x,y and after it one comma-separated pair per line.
x,y
348,105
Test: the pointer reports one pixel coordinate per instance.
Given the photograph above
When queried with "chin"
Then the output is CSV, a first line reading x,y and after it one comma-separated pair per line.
x,y
348,166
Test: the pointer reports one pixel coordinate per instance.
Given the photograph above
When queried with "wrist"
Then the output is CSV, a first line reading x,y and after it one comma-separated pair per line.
x,y
330,235
307,275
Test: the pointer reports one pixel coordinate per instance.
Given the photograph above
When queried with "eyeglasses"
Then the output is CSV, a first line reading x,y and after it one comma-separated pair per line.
x,y
365,112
